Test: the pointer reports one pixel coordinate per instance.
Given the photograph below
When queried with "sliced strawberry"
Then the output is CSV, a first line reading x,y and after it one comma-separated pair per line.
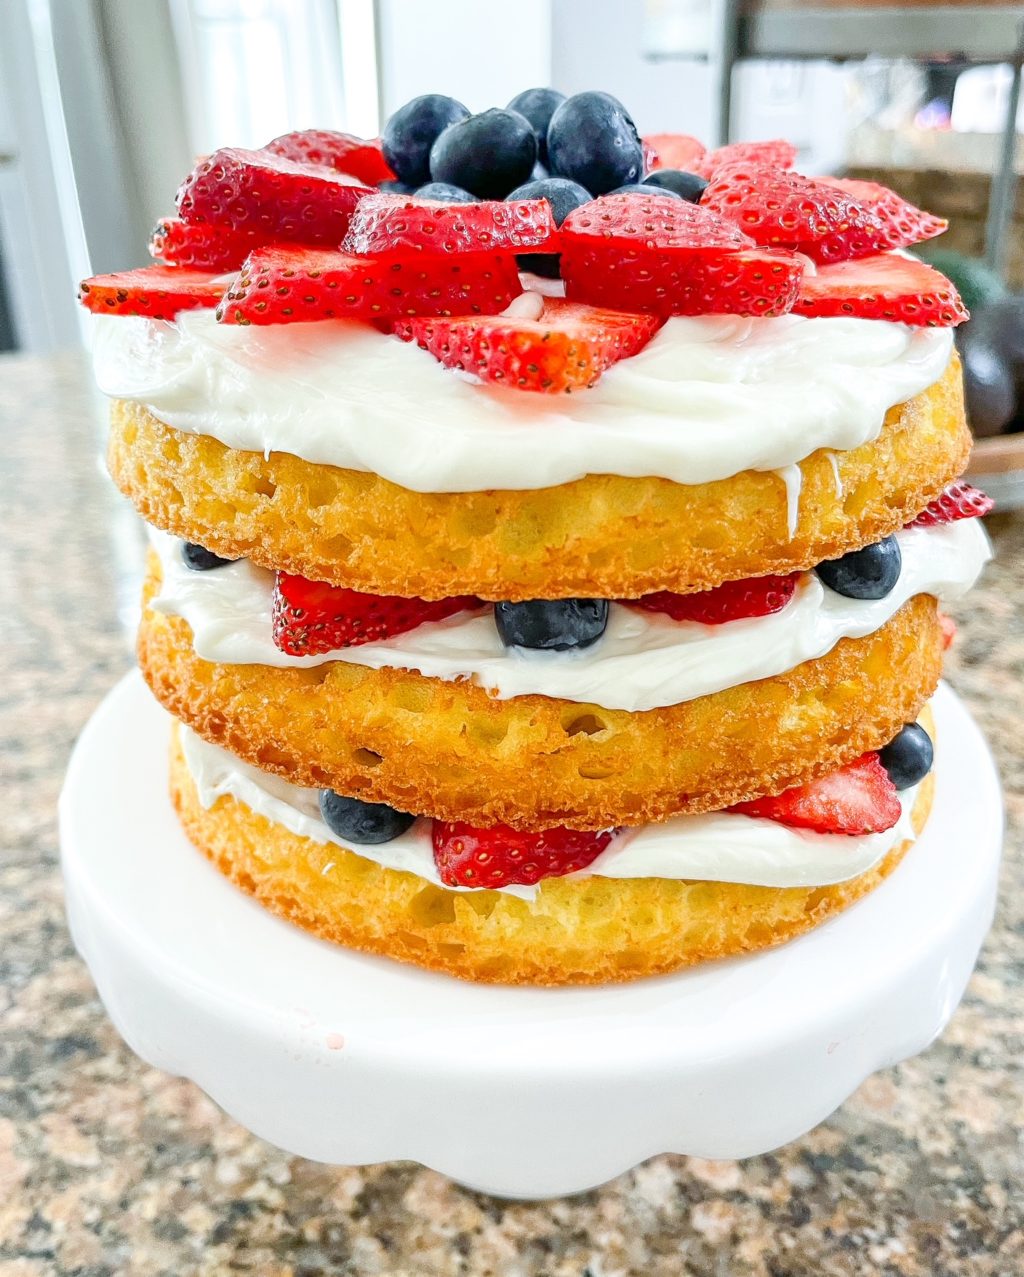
x,y
775,154
293,285
959,501
158,292
899,223
857,799
731,601
948,627
310,617
204,247
899,289
467,856
568,347
657,222
396,224
672,150
271,196
358,156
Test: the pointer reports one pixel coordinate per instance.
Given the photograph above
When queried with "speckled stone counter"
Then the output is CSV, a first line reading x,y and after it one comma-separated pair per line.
x,y
107,1167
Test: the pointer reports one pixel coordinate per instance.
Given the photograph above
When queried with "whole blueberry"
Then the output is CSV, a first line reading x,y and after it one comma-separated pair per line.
x,y
488,154
563,196
592,140
870,573
445,191
641,188
908,757
413,130
199,559
538,106
688,185
359,822
552,625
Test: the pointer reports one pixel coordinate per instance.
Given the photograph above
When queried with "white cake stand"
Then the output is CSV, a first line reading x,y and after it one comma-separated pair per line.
x,y
518,1092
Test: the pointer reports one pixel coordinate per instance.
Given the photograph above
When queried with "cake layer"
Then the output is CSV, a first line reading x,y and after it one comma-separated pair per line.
x,y
577,930
602,536
448,749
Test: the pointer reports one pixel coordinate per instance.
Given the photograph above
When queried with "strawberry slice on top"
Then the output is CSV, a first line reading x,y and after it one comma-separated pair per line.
x,y
672,150
661,221
156,292
897,289
360,157
204,247
898,222
731,601
497,856
312,617
856,799
396,224
776,154
959,501
566,348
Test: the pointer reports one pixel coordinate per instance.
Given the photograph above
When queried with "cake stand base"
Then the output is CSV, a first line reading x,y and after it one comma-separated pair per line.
x,y
519,1092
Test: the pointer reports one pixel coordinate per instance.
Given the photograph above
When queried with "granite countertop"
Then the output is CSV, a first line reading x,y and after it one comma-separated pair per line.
x,y
109,1167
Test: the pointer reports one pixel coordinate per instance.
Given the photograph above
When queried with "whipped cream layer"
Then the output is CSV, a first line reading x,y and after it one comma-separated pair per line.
x,y
644,660
707,398
718,847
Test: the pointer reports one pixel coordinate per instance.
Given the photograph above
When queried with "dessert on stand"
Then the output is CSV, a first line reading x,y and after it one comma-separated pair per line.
x,y
546,583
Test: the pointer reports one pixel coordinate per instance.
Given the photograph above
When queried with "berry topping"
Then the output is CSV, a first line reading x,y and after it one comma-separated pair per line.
x,y
538,106
312,617
687,185
397,188
898,289
566,349
869,573
158,292
898,223
389,224
657,223
641,188
445,192
948,627
671,151
202,247
269,195
857,799
292,285
413,130
731,601
362,823
199,559
551,625
909,756
959,501
489,154
593,141
339,151
498,856
776,154
563,196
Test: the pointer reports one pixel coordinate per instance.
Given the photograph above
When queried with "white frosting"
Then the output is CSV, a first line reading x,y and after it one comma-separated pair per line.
x,y
644,660
719,847
707,398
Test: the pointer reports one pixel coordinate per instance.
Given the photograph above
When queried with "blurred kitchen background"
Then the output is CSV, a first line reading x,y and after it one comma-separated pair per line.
x,y
105,103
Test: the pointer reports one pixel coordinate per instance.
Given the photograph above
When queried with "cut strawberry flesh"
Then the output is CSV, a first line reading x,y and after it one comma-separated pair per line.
x,y
897,289
672,150
898,222
202,247
312,617
567,348
776,154
659,222
959,501
284,285
360,157
384,224
857,799
157,292
731,601
273,197
497,856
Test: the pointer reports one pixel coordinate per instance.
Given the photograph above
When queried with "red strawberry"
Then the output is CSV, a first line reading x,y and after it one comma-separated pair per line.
x,y
959,501
731,601
291,285
658,222
312,617
396,224
775,154
342,152
269,195
204,247
570,346
672,150
899,223
899,289
158,292
466,856
948,627
857,799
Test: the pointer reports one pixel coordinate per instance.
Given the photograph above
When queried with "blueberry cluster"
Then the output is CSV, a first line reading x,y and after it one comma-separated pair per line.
x,y
543,145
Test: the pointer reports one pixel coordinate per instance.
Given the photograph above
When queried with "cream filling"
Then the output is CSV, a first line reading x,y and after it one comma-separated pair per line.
x,y
718,847
706,399
643,661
